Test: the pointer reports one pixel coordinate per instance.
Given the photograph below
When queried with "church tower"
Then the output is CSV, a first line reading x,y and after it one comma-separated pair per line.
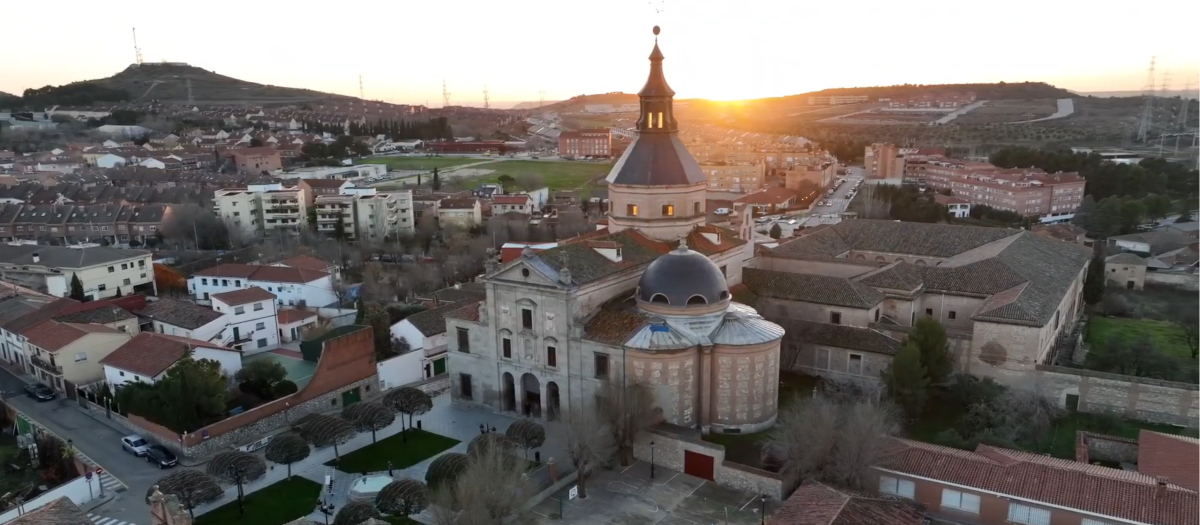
x,y
656,186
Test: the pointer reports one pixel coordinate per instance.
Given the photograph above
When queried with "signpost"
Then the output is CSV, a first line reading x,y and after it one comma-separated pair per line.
x,y
574,492
99,472
88,476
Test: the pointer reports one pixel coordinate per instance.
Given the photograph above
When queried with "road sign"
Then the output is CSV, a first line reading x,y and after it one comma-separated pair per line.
x,y
99,470
87,476
573,493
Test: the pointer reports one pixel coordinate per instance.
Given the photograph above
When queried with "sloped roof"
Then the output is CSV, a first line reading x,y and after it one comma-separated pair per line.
x,y
61,511
65,257
835,291
656,159
183,314
1126,258
306,262
103,315
294,316
275,274
840,336
1169,456
150,354
247,295
815,503
433,321
53,335
911,238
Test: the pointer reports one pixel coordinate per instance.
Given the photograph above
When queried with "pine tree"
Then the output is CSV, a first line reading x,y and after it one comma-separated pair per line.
x,y
361,316
77,289
930,337
906,380
437,184
776,231
1093,285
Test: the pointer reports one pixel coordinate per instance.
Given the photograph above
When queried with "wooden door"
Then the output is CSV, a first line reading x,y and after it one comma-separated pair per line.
x,y
697,464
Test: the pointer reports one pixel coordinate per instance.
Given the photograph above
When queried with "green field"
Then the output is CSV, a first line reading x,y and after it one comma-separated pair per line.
x,y
277,504
403,450
422,163
1167,337
565,175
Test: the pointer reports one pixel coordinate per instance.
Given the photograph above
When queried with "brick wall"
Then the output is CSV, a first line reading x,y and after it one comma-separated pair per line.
x,y
671,441
1137,398
1090,447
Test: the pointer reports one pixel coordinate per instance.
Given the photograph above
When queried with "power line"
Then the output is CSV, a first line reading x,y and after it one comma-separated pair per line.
x,y
360,88
445,95
1148,104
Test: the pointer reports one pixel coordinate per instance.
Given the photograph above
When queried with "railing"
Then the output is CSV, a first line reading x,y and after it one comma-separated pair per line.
x,y
436,350
53,369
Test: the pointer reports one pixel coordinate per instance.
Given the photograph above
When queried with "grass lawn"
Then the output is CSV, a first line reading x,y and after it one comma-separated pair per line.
x,y
421,445
566,175
422,163
274,505
1167,337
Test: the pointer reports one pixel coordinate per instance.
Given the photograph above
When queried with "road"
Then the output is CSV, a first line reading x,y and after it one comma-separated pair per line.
x,y
100,443
840,199
1066,108
960,111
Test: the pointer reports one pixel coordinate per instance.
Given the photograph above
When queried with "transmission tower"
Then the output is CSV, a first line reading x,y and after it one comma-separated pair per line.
x,y
360,89
1186,99
189,87
445,94
137,51
486,103
1148,106
541,99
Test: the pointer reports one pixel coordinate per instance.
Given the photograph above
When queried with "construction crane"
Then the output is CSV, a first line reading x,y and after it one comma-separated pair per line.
x,y
137,51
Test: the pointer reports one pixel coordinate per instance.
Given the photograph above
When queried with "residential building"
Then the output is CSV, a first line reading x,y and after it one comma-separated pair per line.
x,y
1063,231
314,188
1125,270
63,355
147,358
585,143
769,200
958,207
820,175
1028,191
292,323
103,271
18,315
291,286
735,178
253,323
61,511
119,224
520,203
836,100
425,333
183,319
260,209
883,160
256,160
463,213
335,210
384,215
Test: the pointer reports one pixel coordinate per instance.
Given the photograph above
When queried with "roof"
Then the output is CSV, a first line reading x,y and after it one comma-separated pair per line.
x,y
1089,488
1169,456
457,204
1158,241
587,265
613,327
470,312
19,324
433,321
325,183
306,262
149,354
58,512
1125,258
247,295
910,238
53,335
257,272
65,257
835,291
815,503
102,315
774,195
294,316
949,199
511,199
840,336
183,314
456,293
656,159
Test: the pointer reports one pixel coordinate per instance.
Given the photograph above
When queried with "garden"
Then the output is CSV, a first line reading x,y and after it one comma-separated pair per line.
x,y
400,451
279,503
1146,333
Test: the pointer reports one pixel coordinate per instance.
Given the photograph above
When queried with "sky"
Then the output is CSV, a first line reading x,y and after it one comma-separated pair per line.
x,y
520,48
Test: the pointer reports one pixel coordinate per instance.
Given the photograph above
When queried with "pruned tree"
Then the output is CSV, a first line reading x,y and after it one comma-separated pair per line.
x,y
491,441
410,401
492,487
369,417
625,412
355,512
192,487
258,377
527,434
286,449
445,470
237,468
325,431
831,442
403,497
587,443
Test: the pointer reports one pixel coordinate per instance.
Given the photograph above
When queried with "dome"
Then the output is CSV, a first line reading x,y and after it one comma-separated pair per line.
x,y
683,277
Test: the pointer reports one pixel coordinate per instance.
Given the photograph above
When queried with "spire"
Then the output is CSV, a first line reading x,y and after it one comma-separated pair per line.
x,y
656,97
656,84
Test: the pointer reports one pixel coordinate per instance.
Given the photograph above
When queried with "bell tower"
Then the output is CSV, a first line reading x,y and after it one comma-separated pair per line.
x,y
657,99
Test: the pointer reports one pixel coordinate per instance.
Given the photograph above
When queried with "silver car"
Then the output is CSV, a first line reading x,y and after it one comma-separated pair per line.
x,y
135,444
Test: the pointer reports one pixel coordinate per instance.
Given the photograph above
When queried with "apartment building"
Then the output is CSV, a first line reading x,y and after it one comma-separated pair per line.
x,y
464,213
335,210
738,178
821,175
63,354
314,188
883,160
585,143
256,160
385,215
104,271
252,318
260,209
118,224
1028,191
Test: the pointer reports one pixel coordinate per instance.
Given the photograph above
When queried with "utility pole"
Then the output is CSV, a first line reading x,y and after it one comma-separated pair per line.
x,y
445,95
541,99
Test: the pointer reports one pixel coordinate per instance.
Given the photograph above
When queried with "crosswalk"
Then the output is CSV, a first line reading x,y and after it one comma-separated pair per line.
x,y
110,482
101,520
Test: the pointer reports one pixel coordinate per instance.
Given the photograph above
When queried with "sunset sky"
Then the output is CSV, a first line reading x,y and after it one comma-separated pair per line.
x,y
716,50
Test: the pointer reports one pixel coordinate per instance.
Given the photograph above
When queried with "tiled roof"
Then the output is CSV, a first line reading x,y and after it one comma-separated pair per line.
x,y
1126,258
586,264
149,354
899,276
53,335
464,292
470,312
433,321
275,274
1169,456
58,512
65,257
457,204
1090,488
103,315
244,296
613,327
294,316
814,503
911,238
774,195
820,289
840,336
183,314
306,262
324,183
511,199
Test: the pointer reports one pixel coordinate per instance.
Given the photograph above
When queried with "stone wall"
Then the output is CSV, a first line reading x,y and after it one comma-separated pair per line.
x,y
671,441
1091,447
1137,398
1186,281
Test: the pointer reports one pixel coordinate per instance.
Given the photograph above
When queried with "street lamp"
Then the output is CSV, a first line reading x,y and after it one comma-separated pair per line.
x,y
762,509
389,468
326,509
652,460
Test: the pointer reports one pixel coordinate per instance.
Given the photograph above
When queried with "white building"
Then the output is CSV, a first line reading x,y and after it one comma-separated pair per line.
x,y
102,270
384,215
290,286
292,323
184,319
147,358
261,208
333,172
253,325
425,333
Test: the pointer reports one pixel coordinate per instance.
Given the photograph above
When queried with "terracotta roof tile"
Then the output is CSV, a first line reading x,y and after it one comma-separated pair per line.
x,y
306,262
1172,457
58,512
810,288
183,314
818,504
53,335
150,354
294,316
244,296
469,312
613,327
277,274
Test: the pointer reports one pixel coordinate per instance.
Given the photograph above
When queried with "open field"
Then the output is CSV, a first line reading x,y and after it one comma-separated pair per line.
x,y
403,450
555,175
422,163
277,504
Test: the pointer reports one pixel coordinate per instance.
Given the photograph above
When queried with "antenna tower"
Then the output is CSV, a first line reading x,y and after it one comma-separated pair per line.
x,y
1148,107
1186,99
541,99
137,51
486,103
360,88
445,95
189,87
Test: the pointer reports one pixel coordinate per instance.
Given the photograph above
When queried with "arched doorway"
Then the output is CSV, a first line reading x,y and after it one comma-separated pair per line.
x,y
531,396
508,396
553,404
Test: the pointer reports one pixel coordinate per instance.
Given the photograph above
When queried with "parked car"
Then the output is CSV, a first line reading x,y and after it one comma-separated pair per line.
x,y
40,392
161,456
135,444
721,211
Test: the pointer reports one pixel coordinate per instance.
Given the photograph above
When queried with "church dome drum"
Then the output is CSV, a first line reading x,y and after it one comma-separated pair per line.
x,y
683,277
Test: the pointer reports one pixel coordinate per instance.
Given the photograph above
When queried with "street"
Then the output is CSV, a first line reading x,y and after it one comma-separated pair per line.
x,y
840,199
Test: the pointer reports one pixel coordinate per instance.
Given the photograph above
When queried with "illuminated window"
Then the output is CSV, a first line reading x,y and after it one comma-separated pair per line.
x,y
650,122
631,210
660,119
668,210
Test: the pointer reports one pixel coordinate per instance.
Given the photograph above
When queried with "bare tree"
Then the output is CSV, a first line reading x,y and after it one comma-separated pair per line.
x,y
237,468
286,449
356,512
875,206
403,497
324,431
410,401
529,181
625,412
492,487
443,510
485,443
1022,415
445,470
192,487
830,441
527,434
587,443
369,416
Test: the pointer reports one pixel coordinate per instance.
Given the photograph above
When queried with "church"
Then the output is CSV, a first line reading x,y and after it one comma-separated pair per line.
x,y
644,300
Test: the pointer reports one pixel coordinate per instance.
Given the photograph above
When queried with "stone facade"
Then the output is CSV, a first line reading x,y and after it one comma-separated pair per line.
x,y
1133,397
1125,275
646,209
834,363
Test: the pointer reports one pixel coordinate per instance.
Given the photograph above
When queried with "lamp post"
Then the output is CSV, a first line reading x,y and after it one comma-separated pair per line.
x,y
326,509
762,509
651,459
389,468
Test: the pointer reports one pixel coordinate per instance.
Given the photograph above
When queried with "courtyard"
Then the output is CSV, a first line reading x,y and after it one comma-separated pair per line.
x,y
299,371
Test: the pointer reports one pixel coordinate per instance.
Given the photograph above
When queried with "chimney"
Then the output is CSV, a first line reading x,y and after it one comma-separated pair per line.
x,y
1160,491
36,258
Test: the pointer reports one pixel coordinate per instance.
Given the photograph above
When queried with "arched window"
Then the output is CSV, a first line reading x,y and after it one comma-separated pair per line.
x,y
660,299
860,256
697,299
900,259
920,262
724,295
880,259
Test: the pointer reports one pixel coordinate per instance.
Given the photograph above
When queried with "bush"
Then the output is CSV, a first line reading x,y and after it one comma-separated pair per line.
x,y
284,388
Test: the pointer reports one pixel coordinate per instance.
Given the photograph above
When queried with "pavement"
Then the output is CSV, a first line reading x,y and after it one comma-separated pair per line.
x,y
840,200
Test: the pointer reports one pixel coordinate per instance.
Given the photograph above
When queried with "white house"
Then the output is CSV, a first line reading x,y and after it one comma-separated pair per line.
x,y
147,357
102,270
425,333
293,322
289,285
252,324
184,319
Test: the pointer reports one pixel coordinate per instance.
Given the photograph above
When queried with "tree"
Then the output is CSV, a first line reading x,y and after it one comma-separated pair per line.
x,y
1094,283
1019,417
286,449
587,443
259,377
492,487
832,442
1140,358
237,468
1157,206
776,231
906,380
403,497
1188,321
1133,214
445,470
193,488
1187,209
624,413
361,316
1085,214
325,431
930,337
491,441
284,388
1108,217
355,512
527,434
255,142
437,183
369,416
339,230
505,180
189,395
77,289
410,401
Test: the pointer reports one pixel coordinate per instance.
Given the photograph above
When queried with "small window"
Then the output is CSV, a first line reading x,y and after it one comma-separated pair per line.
x,y
551,357
122,374
668,210
127,281
102,287
124,266
527,319
835,318
601,364
238,310
855,365
695,208
141,264
204,281
897,487
111,269
464,386
464,340
877,316
80,356
506,347
260,326
524,272
237,282
821,359
952,315
258,306
262,342
953,499
929,312
1025,515
224,282
631,210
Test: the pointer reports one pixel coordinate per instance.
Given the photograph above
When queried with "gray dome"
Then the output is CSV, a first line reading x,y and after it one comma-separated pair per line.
x,y
683,277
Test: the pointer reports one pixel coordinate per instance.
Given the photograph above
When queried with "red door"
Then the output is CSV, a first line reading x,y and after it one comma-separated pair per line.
x,y
699,465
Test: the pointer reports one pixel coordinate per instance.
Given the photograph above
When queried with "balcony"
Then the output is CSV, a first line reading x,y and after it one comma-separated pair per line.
x,y
45,366
435,351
